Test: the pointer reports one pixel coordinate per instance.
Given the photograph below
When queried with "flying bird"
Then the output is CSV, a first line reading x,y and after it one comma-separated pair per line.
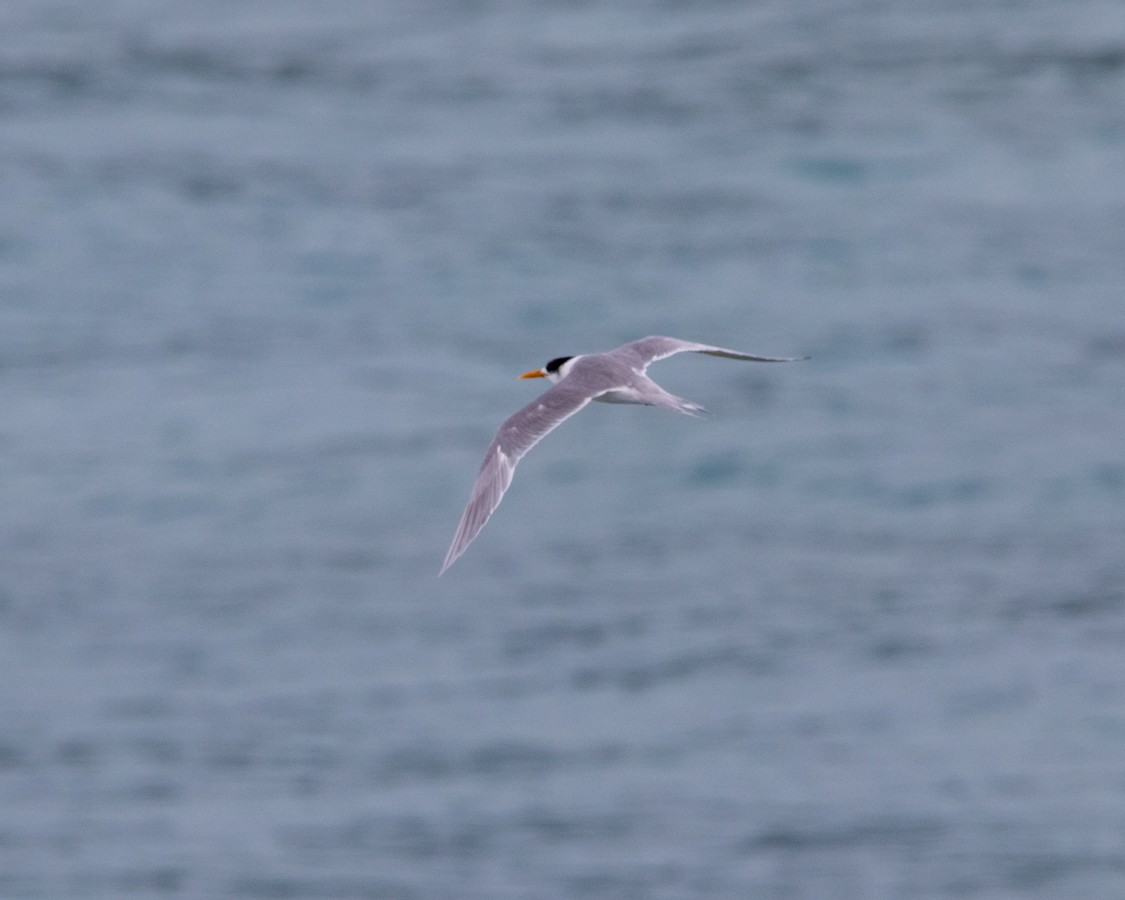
x,y
616,376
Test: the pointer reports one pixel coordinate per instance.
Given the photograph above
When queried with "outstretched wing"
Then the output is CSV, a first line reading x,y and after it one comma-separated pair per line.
x,y
648,350
519,433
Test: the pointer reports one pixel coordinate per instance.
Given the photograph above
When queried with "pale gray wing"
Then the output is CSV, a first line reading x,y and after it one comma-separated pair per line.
x,y
519,433
652,349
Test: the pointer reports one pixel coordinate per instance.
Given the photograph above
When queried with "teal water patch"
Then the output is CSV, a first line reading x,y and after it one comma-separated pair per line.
x,y
835,169
1110,477
951,491
916,496
716,469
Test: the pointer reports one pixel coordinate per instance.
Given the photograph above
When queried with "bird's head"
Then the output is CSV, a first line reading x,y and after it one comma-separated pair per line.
x,y
555,370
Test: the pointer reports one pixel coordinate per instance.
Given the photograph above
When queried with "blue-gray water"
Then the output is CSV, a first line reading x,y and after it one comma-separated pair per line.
x,y
267,274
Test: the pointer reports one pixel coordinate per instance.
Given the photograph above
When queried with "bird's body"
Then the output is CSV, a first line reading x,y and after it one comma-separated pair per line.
x,y
616,376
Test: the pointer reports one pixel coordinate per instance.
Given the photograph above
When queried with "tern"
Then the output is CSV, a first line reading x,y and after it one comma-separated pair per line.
x,y
616,376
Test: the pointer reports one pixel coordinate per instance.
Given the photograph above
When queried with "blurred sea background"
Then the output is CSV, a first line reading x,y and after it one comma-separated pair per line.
x,y
267,274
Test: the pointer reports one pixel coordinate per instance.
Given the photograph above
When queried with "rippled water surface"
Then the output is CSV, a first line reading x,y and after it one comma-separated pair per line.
x,y
267,273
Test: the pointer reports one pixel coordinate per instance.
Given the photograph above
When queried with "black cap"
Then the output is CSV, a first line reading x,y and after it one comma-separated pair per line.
x,y
556,363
